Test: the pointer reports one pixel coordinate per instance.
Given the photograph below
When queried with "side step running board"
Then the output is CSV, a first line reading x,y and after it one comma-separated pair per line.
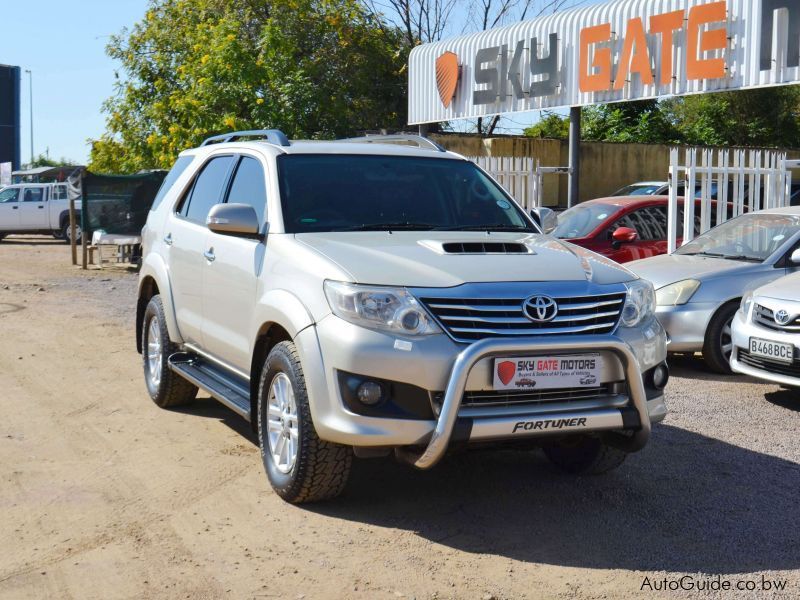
x,y
228,388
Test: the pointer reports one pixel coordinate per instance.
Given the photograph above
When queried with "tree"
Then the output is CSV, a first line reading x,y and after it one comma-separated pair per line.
x,y
640,121
551,126
191,68
45,161
761,117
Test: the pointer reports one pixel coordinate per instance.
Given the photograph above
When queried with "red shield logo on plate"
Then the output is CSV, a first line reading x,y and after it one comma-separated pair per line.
x,y
506,371
447,74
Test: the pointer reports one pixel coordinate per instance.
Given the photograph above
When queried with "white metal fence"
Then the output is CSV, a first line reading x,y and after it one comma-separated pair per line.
x,y
520,176
725,183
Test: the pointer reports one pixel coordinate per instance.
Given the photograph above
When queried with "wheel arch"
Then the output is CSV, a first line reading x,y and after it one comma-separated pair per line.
x,y
154,279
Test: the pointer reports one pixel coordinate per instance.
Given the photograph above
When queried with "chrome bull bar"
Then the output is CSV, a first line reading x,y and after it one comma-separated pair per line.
x,y
472,354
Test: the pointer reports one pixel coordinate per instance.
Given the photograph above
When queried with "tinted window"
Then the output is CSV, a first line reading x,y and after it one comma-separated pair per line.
x,y
175,172
248,186
9,195
33,195
365,192
650,223
208,189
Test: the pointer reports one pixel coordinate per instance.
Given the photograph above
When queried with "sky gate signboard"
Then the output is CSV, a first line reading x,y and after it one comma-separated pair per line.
x,y
616,51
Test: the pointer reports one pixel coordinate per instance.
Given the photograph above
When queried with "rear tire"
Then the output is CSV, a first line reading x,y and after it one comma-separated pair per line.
x,y
300,466
585,456
166,388
66,233
719,341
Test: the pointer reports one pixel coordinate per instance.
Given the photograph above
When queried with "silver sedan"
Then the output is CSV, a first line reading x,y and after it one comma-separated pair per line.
x,y
700,285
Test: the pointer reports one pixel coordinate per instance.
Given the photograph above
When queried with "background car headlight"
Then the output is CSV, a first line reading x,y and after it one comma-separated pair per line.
x,y
640,303
677,293
384,308
747,302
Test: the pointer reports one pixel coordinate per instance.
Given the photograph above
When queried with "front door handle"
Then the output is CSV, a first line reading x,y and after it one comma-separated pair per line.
x,y
209,254
40,207
168,239
15,208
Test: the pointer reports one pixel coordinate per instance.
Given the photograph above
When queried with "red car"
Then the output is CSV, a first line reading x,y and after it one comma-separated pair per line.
x,y
623,228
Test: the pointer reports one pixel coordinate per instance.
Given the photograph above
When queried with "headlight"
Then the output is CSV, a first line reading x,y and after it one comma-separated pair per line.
x,y
384,308
640,303
677,294
747,302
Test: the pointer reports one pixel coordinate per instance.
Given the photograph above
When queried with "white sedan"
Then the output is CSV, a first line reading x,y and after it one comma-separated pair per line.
x,y
766,332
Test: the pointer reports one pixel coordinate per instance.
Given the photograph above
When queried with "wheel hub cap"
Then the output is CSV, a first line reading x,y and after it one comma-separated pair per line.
x,y
282,427
154,352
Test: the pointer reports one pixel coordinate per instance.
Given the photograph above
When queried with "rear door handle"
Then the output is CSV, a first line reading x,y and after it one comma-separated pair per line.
x,y
40,207
209,254
15,208
168,239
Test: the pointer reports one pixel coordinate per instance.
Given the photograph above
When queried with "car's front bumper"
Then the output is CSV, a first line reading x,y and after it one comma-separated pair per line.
x,y
686,324
436,363
743,330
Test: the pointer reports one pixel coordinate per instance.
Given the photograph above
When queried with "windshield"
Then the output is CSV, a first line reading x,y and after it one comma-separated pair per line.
x,y
581,220
639,189
335,192
754,236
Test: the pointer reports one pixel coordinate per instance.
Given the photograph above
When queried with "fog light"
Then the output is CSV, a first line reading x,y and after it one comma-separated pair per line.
x,y
660,377
370,393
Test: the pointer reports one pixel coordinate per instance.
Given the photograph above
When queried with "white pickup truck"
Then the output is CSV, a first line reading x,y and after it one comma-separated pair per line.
x,y
37,208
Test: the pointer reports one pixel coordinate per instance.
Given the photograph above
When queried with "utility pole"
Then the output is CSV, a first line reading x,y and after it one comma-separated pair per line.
x,y
30,75
573,193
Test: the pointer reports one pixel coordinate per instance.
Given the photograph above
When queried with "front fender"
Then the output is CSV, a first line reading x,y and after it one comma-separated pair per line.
x,y
285,309
154,267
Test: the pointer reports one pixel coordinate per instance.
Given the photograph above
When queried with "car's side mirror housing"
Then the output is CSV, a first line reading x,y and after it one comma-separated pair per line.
x,y
795,257
233,219
545,218
623,235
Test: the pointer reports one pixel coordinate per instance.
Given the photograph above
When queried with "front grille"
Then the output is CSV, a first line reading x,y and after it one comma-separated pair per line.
x,y
789,370
766,318
509,398
469,319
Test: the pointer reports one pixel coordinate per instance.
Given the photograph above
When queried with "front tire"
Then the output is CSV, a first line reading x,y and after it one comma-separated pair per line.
x,y
166,388
300,466
585,456
718,344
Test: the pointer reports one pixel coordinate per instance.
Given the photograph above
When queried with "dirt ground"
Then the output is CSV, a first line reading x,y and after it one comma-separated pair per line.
x,y
103,495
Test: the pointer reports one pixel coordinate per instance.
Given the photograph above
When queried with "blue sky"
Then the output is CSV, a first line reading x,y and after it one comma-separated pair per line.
x,y
63,45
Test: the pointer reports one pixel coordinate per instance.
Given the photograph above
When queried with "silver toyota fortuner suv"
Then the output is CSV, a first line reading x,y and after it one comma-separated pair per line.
x,y
379,295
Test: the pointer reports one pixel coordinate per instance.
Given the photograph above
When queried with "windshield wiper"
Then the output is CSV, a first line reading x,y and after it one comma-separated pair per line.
x,y
389,227
726,256
490,227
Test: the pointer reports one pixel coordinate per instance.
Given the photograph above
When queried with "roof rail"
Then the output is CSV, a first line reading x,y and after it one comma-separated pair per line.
x,y
273,136
398,138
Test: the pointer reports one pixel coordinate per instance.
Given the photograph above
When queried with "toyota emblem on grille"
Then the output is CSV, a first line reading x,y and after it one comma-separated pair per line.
x,y
540,309
782,317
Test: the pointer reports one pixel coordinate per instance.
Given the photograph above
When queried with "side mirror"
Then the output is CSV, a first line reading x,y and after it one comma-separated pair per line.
x,y
545,217
795,257
233,219
624,235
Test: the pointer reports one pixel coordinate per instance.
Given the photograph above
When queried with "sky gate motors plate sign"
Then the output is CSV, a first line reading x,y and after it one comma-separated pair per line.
x,y
617,51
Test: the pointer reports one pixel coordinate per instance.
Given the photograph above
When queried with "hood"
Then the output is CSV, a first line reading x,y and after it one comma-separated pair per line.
x,y
418,259
785,288
670,268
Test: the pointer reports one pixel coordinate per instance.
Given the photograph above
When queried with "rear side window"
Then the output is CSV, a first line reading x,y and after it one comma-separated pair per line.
x,y
59,192
208,189
33,195
177,169
249,186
